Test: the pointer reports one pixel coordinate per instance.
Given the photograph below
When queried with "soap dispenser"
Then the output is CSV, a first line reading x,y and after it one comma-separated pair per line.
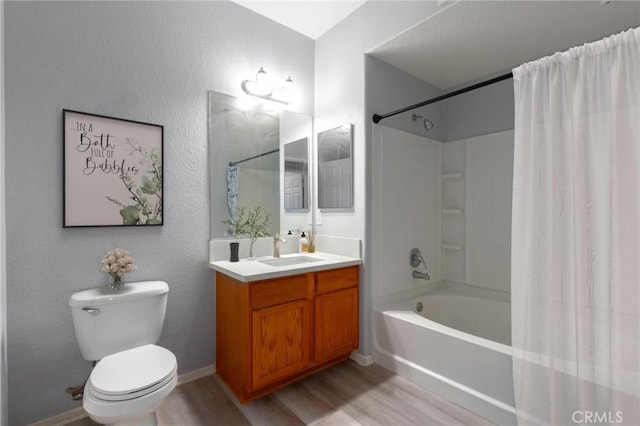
x,y
303,244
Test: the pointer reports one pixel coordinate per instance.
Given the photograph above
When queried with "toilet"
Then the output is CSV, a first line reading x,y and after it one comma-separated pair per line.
x,y
120,331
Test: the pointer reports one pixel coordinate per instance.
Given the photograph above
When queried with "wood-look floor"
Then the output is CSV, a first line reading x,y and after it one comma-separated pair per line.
x,y
344,395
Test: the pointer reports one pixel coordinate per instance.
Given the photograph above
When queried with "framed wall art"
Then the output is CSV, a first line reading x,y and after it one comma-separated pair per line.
x,y
112,171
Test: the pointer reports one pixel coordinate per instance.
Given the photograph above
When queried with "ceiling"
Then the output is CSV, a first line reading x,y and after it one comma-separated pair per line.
x,y
469,39
311,18
473,39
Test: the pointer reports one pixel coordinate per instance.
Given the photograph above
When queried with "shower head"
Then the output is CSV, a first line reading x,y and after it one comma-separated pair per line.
x,y
428,124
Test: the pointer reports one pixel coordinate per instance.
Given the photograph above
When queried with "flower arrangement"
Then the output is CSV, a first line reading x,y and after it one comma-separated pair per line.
x,y
253,223
117,263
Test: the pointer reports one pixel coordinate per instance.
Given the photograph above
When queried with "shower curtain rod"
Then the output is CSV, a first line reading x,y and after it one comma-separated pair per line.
x,y
234,163
377,117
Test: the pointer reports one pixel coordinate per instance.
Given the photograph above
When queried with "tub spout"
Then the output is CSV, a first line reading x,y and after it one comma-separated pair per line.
x,y
421,275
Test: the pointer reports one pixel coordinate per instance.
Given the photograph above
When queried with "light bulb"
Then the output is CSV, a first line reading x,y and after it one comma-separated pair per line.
x,y
262,86
287,89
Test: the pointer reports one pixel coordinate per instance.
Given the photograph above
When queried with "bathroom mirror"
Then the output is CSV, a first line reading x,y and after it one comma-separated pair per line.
x,y
296,176
335,168
247,141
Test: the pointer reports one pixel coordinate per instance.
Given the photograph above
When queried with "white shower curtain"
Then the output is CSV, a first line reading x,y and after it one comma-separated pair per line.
x,y
576,235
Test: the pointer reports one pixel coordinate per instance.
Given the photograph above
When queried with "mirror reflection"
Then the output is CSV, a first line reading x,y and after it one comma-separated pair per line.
x,y
296,175
335,168
246,159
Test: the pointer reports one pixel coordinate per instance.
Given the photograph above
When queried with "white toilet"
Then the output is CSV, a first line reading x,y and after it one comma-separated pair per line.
x,y
119,330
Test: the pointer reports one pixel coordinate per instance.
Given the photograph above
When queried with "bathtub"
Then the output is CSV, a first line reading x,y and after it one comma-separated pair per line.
x,y
457,346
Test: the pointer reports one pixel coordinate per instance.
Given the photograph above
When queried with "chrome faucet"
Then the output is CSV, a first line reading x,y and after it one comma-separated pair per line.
x,y
415,260
277,240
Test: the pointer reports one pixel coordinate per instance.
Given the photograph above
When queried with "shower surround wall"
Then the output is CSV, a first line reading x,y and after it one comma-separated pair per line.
x,y
411,203
461,223
475,133
483,195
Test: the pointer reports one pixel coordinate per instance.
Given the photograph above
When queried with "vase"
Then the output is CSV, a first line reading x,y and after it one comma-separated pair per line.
x,y
116,283
251,257
233,247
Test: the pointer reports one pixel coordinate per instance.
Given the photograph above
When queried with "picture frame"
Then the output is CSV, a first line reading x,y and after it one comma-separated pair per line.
x,y
113,171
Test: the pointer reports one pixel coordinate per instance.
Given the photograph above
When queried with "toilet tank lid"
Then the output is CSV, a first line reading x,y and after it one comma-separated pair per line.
x,y
101,296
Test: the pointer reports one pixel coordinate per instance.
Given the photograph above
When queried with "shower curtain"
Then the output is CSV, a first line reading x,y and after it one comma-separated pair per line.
x,y
576,235
233,185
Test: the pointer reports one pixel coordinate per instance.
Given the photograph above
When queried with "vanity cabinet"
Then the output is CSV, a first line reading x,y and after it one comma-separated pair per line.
x,y
280,328
273,332
336,313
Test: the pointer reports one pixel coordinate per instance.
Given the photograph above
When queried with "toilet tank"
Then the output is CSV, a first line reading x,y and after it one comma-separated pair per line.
x,y
107,322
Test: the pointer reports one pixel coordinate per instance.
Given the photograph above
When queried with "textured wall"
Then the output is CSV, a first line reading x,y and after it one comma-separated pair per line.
x,y
147,61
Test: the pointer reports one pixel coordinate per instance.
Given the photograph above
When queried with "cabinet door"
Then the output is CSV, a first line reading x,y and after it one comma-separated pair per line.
x,y
336,323
280,337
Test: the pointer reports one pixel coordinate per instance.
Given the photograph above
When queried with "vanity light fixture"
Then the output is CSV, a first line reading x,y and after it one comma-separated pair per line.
x,y
261,88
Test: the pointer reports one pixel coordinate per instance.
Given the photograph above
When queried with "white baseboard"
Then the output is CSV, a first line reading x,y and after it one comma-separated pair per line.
x,y
363,360
79,413
63,418
196,374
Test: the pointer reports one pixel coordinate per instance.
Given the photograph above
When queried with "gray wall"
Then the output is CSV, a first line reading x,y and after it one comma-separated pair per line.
x,y
147,61
388,88
479,112
3,259
482,111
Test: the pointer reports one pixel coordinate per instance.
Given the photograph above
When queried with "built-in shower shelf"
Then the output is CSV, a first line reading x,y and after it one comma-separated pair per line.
x,y
456,247
452,211
451,176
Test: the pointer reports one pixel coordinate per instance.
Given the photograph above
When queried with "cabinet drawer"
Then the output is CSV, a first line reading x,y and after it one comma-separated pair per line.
x,y
278,291
336,279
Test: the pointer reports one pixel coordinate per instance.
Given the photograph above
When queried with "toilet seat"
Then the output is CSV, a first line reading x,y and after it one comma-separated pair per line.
x,y
132,373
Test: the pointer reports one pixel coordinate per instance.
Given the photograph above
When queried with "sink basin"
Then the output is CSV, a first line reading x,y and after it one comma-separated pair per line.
x,y
287,261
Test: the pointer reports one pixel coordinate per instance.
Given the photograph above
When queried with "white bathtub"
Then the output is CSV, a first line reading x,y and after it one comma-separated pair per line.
x,y
458,346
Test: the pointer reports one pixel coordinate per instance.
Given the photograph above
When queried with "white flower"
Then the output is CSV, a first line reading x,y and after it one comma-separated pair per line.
x,y
118,261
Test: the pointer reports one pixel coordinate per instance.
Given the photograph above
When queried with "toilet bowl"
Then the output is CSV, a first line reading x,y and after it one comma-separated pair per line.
x,y
132,375
126,388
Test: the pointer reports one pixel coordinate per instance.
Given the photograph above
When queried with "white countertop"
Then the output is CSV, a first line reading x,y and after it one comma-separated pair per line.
x,y
253,270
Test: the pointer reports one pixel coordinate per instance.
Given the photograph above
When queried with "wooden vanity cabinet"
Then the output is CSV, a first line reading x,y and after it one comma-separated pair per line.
x,y
280,328
273,332
336,313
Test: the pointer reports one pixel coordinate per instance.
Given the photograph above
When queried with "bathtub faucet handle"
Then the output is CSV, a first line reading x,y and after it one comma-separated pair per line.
x,y
416,258
415,261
